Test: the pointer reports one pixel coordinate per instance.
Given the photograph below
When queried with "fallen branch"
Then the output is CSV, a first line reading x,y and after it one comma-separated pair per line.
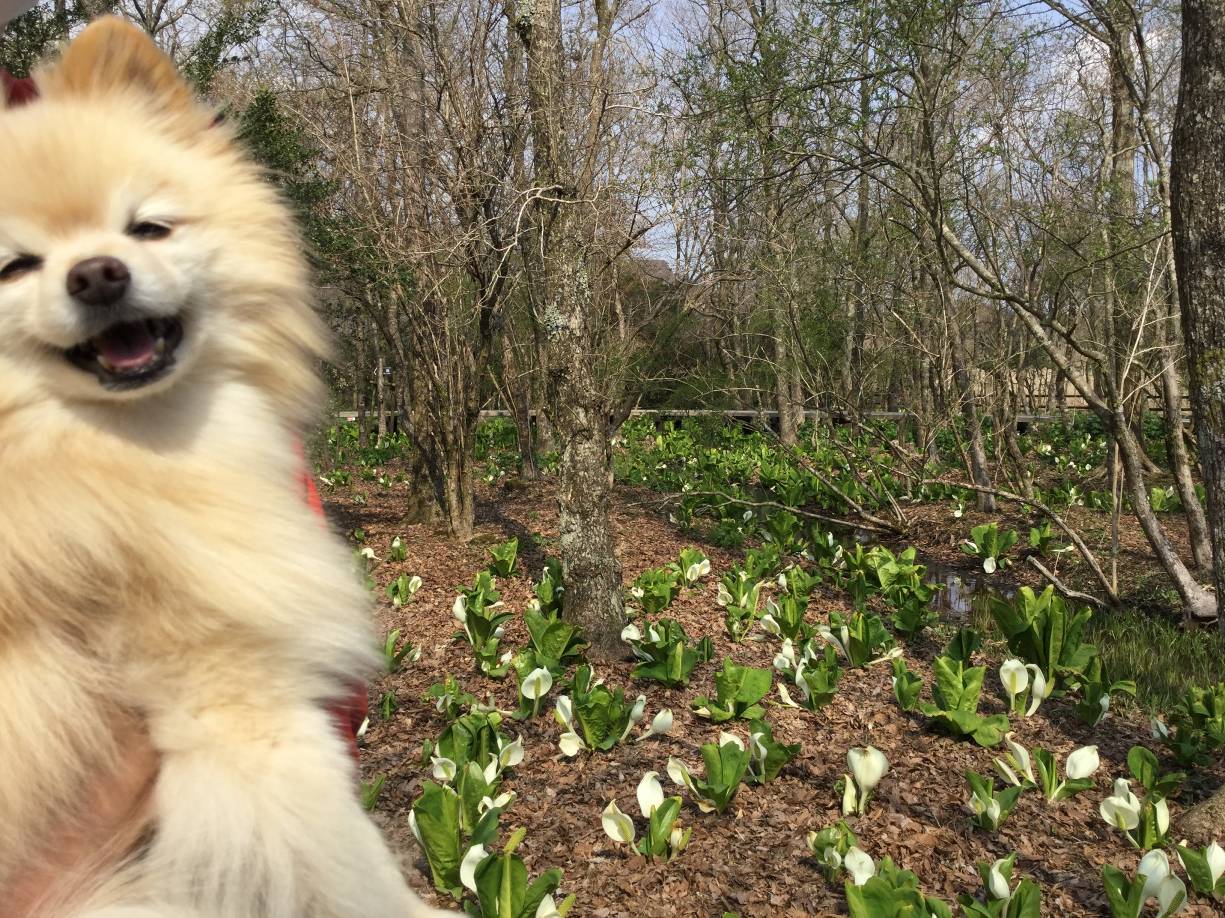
x,y
1061,587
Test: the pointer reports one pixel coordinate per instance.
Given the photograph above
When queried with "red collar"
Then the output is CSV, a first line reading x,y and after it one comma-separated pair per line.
x,y
17,92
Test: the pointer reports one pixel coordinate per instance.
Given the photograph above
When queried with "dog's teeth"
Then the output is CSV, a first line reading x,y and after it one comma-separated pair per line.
x,y
106,364
160,347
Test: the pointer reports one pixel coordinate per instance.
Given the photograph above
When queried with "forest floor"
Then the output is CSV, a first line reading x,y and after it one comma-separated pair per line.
x,y
752,859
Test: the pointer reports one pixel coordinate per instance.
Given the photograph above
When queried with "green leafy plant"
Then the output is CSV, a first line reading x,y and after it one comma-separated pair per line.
x,y
1145,821
477,609
990,545
956,691
767,756
907,685
503,558
1002,899
726,765
449,698
554,643
1197,725
398,550
500,883
402,589
666,654
988,807
814,675
738,691
1040,629
893,892
1093,705
664,839
830,845
861,637
594,716
739,596
387,705
655,589
370,791
550,591
1044,540
692,566
1206,869
784,618
1128,898
393,659
435,821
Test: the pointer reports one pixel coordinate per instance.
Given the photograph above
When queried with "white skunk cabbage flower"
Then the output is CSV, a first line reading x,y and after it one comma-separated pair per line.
x,y
1015,678
536,684
412,824
1020,758
1161,882
660,725
444,769
547,908
1121,809
617,826
996,884
868,765
726,738
510,754
770,625
459,610
631,633
1041,689
467,868
563,712
414,584
501,802
724,598
697,570
1216,862
650,794
859,865
1082,763
571,744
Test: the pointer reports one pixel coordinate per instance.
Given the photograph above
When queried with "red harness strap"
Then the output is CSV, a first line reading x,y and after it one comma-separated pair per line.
x,y
348,713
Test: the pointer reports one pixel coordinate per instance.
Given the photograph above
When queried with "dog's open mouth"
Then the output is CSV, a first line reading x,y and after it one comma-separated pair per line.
x,y
128,355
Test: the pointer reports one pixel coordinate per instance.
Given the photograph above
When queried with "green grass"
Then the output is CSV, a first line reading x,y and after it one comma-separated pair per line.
x,y
1158,654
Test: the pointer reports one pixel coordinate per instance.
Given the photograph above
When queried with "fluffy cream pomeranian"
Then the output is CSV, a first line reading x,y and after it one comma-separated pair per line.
x,y
157,355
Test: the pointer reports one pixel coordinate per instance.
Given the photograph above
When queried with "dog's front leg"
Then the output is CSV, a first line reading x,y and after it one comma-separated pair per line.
x,y
257,816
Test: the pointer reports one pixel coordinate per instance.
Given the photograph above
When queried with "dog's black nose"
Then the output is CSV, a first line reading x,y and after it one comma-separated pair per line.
x,y
100,281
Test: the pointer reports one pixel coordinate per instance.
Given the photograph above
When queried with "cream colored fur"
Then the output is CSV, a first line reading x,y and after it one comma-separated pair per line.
x,y
156,554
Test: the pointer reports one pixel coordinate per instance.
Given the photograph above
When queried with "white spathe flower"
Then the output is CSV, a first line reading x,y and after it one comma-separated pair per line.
x,y
460,609
1015,678
547,908
467,868
785,696
678,771
444,769
571,744
859,865
1020,756
1040,689
563,712
990,564
784,660
510,754
536,684
639,708
868,765
412,824
617,826
501,802
733,739
1216,862
724,598
1171,896
697,570
1161,810
850,800
361,731
769,625
1082,763
414,584
631,632
996,884
677,840
660,724
1121,809
1155,867
650,794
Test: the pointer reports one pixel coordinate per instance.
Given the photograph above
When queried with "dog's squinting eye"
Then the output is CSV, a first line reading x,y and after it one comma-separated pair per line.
x,y
22,264
148,230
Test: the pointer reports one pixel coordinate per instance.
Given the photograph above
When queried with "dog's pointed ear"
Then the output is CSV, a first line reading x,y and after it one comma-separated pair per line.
x,y
114,57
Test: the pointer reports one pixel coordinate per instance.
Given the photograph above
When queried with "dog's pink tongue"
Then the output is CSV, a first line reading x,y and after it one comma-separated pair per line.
x,y
128,346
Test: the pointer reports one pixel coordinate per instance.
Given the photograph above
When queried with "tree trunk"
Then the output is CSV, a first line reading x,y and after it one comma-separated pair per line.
x,y
969,409
570,317
1198,199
